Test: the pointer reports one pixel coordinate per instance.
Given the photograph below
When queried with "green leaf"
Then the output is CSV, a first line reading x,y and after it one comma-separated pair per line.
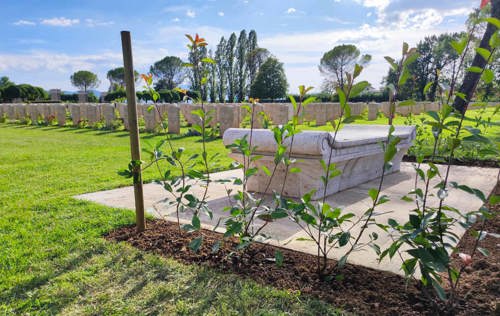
x,y
405,48
278,256
342,261
358,88
475,69
195,221
459,46
409,266
357,70
428,86
216,246
373,193
279,214
195,244
294,103
407,199
484,53
415,221
250,172
407,103
391,61
404,77
476,139
410,59
494,40
295,170
483,251
439,290
342,98
494,199
266,170
494,21
307,218
208,60
344,238
488,76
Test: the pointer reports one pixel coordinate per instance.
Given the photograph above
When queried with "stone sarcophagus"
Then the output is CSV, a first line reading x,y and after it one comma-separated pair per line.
x,y
357,152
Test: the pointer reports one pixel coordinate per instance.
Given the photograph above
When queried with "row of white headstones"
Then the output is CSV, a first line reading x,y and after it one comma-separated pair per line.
x,y
226,115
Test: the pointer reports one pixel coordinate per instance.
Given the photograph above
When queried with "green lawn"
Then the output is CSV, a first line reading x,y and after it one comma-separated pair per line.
x,y
53,259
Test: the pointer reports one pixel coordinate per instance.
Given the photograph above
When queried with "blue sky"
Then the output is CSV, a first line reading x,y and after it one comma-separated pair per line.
x,y
44,42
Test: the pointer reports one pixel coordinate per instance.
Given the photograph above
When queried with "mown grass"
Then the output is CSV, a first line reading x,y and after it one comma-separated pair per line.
x,y
53,259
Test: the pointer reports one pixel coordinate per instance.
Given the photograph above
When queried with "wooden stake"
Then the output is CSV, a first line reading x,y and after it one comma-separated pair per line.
x,y
135,147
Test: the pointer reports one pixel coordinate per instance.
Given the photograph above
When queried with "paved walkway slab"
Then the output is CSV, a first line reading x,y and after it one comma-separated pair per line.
x,y
356,200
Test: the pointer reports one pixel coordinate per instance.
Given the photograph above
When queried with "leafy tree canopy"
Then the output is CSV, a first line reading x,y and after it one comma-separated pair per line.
x,y
4,82
341,59
116,78
84,80
169,72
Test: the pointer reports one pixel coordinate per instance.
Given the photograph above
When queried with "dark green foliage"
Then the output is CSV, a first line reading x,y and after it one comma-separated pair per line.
x,y
11,92
117,94
270,82
71,98
91,97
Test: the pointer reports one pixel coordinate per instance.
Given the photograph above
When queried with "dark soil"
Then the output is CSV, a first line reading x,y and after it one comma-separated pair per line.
x,y
459,162
359,289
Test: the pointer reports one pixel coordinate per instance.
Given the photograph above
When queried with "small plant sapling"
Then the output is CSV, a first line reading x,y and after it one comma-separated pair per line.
x,y
429,235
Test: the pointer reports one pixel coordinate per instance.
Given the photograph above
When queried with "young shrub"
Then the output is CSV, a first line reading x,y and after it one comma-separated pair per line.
x,y
427,236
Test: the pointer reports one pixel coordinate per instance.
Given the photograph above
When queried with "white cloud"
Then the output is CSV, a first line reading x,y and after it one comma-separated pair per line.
x,y
190,13
220,13
291,10
24,22
378,4
62,21
94,23
336,20
301,61
176,20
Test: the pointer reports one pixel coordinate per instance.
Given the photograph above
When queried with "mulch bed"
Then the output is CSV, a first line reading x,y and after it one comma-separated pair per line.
x,y
361,290
459,162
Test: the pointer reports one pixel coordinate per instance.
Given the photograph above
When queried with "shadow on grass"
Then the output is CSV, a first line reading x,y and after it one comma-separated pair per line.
x,y
22,290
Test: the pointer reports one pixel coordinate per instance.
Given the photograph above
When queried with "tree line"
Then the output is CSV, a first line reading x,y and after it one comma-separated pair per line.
x,y
9,91
239,69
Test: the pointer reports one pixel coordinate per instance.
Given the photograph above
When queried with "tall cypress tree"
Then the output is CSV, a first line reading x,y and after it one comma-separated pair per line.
x,y
221,61
197,73
212,78
230,58
251,69
241,69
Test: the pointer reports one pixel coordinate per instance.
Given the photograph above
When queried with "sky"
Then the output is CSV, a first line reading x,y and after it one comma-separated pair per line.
x,y
44,42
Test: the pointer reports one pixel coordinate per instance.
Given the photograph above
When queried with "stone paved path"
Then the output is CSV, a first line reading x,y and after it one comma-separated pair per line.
x,y
285,233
